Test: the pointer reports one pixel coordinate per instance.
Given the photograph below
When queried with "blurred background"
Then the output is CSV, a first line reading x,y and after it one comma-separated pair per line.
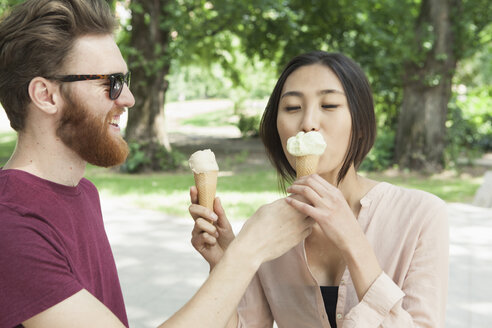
x,y
202,72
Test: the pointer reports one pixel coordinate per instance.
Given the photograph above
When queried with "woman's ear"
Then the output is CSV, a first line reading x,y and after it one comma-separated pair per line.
x,y
44,94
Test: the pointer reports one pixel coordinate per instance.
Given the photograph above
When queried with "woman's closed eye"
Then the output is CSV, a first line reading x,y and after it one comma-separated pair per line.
x,y
292,108
329,106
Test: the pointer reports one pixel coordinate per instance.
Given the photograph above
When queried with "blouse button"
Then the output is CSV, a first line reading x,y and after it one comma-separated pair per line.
x,y
339,316
342,282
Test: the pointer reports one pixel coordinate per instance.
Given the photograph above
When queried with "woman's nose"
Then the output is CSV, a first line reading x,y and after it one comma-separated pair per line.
x,y
310,120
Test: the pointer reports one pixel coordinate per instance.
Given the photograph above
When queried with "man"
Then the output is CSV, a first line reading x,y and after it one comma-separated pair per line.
x,y
64,85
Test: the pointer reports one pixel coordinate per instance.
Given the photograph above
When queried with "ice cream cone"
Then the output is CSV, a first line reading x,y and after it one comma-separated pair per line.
x,y
306,165
206,184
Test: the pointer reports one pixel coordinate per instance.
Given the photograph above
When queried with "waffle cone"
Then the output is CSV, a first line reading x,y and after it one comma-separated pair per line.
x,y
206,184
306,165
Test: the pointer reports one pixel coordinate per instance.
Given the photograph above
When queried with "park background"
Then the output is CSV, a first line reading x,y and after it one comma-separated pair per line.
x,y
202,72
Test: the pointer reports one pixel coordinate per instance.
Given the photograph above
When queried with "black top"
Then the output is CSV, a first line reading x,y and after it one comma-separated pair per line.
x,y
330,298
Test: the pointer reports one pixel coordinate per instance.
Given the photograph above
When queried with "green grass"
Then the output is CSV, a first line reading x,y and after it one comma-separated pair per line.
x,y
7,145
241,193
451,189
216,118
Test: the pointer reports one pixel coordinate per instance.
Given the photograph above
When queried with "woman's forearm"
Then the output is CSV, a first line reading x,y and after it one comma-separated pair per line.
x,y
362,263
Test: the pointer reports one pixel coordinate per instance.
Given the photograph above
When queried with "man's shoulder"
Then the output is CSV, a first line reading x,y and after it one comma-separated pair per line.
x,y
16,193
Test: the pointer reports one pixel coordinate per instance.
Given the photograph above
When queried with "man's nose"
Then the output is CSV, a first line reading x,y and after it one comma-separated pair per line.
x,y
126,98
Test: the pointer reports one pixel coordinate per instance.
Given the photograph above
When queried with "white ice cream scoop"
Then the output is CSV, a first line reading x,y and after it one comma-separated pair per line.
x,y
203,161
310,143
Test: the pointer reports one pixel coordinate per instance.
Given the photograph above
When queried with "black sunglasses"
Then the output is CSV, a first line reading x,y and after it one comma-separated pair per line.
x,y
116,81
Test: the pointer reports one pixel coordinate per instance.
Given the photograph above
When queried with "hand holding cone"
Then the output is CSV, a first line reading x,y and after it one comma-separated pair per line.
x,y
205,170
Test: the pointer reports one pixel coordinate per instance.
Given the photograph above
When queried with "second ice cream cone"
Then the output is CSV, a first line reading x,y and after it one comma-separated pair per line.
x,y
306,165
206,184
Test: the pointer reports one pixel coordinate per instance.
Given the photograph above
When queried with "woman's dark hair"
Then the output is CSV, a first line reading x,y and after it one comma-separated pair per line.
x,y
360,102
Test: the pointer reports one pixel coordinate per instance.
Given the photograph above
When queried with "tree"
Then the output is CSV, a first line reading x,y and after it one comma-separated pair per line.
x,y
442,39
162,33
149,63
408,48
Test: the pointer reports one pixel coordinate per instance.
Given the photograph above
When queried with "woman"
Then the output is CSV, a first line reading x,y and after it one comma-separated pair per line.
x,y
378,255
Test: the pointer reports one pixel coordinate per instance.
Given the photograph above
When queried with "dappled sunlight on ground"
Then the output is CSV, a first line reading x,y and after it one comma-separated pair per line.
x,y
159,269
470,251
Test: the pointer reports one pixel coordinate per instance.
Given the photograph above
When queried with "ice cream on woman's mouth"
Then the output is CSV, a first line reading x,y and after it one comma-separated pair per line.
x,y
205,170
307,148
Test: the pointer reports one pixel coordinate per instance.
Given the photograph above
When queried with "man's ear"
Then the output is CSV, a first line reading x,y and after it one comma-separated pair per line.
x,y
44,94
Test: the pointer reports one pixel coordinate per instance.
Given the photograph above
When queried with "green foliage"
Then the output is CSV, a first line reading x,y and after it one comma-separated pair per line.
x,y
229,45
469,125
7,145
170,160
249,125
6,4
139,158
206,82
381,155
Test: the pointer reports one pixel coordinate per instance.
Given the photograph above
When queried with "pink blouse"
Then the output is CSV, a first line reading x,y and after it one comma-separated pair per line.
x,y
408,231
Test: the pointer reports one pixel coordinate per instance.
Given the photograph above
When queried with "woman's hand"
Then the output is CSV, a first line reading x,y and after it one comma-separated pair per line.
x,y
212,232
327,206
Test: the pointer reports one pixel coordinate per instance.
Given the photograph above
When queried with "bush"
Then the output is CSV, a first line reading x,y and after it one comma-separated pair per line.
x,y
382,153
462,137
249,125
152,157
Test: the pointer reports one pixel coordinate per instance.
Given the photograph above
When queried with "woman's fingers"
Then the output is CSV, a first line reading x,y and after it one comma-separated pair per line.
x,y
302,207
202,225
194,195
203,234
198,211
314,189
203,240
222,220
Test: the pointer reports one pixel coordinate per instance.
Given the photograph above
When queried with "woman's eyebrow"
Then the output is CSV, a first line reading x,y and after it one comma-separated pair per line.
x,y
328,91
292,93
321,92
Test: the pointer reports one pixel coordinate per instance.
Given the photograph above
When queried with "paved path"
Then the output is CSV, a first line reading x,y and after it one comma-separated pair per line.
x,y
160,271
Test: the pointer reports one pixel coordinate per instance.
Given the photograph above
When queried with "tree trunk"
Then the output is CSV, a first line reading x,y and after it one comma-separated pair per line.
x,y
149,65
420,139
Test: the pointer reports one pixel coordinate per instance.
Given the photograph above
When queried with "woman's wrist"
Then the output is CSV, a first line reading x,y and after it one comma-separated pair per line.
x,y
363,265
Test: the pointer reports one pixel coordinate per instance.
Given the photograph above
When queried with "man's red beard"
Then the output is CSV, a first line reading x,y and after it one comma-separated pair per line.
x,y
89,136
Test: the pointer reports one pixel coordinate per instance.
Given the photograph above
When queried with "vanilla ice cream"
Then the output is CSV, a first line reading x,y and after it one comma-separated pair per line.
x,y
203,161
303,144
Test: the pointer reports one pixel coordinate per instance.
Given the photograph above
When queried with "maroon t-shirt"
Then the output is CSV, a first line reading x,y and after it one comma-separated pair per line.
x,y
52,245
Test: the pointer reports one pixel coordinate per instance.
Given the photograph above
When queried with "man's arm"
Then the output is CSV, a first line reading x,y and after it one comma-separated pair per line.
x,y
211,306
79,310
273,230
